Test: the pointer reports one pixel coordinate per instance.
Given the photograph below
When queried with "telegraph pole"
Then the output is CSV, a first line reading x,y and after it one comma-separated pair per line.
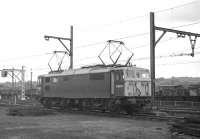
x,y
152,55
23,83
13,82
71,47
31,79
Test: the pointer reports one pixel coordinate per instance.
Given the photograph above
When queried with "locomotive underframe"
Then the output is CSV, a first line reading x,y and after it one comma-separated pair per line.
x,y
127,105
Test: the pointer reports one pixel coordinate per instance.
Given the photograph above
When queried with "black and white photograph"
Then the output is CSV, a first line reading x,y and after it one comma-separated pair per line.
x,y
100,69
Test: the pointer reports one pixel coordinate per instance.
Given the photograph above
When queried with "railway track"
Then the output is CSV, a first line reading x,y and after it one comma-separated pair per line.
x,y
39,110
141,115
176,124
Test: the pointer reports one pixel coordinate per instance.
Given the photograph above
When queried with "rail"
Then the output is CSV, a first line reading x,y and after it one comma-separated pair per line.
x,y
187,104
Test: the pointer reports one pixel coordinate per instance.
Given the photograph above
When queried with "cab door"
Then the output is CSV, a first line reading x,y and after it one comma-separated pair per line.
x,y
118,83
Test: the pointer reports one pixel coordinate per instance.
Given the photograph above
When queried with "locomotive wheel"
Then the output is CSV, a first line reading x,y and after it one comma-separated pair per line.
x,y
62,104
128,109
115,108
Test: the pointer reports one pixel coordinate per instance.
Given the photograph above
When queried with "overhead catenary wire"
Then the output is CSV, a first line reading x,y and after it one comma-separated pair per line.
x,y
24,57
178,6
166,64
158,11
132,48
167,56
177,54
173,64
132,36
138,59
92,44
147,15
125,37
178,63
45,54
147,44
157,57
119,38
141,58
186,25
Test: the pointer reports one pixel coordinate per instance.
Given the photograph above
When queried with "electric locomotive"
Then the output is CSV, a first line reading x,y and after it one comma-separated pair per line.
x,y
100,88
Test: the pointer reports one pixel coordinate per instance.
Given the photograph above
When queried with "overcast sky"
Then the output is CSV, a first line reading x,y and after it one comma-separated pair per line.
x,y
24,23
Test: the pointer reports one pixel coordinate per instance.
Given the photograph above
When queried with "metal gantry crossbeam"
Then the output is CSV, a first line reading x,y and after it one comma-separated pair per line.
x,y
153,42
47,37
177,31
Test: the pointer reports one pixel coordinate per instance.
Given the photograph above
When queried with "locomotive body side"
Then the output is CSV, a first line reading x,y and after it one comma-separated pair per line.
x,y
94,85
104,83
107,88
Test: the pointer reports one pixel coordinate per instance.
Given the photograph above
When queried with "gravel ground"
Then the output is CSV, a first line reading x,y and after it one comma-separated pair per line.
x,y
79,126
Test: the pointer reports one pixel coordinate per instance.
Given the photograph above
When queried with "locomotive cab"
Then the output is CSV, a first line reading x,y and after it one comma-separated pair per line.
x,y
130,81
137,82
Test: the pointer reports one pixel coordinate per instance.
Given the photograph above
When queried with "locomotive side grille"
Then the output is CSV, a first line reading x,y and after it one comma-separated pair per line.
x,y
96,76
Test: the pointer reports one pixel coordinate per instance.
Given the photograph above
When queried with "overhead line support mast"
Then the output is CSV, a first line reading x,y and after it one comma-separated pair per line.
x,y
12,73
69,51
153,42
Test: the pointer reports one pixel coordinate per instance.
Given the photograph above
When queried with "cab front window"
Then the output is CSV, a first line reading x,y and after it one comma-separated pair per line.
x,y
145,75
39,81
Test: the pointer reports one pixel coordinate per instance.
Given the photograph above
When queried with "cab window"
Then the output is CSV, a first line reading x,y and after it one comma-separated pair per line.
x,y
138,75
47,79
54,79
39,81
119,75
130,73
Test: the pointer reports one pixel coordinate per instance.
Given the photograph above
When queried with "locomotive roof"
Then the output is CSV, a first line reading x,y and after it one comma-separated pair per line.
x,y
93,70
